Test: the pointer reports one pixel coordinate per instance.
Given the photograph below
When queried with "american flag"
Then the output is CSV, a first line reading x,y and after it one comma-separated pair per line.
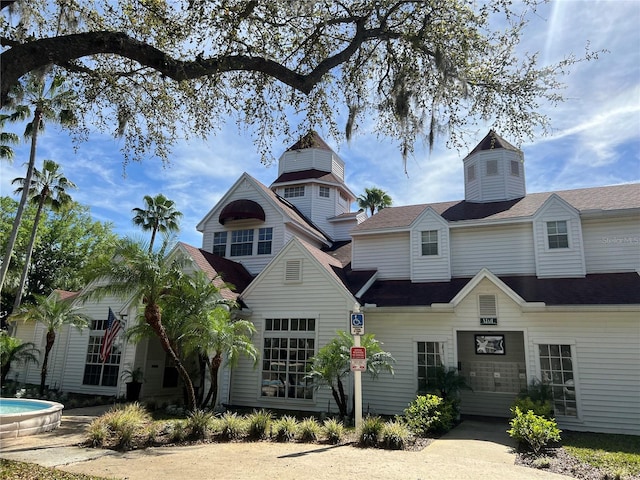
x,y
113,327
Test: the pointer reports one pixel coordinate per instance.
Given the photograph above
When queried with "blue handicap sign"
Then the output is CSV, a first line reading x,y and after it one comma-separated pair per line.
x,y
357,323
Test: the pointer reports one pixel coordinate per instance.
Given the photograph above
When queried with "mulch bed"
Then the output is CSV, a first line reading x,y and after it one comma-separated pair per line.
x,y
558,460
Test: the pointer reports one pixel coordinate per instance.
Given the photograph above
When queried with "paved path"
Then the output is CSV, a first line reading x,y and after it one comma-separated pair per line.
x,y
475,450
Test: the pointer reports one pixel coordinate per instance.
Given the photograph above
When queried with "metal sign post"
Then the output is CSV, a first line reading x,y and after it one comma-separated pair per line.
x,y
358,360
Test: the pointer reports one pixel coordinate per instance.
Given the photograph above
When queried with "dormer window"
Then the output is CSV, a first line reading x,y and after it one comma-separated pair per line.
x,y
291,192
241,243
557,234
492,167
219,243
430,242
265,237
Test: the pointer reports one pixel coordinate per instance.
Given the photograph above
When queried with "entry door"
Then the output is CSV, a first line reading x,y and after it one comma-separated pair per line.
x,y
493,364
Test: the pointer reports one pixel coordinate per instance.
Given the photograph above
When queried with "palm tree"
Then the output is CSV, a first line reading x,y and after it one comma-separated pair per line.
x,y
374,198
159,215
188,302
332,363
7,138
220,336
143,276
54,313
13,350
48,188
50,103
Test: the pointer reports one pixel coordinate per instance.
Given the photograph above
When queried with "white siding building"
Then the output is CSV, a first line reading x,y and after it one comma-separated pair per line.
x,y
507,287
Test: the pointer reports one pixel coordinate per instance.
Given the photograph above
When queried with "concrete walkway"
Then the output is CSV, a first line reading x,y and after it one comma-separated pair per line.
x,y
475,450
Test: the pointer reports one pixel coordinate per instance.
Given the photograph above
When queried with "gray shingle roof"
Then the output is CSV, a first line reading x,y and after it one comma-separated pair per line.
x,y
618,197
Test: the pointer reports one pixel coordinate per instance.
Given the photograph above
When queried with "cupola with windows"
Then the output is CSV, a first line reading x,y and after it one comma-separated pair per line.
x,y
311,178
494,171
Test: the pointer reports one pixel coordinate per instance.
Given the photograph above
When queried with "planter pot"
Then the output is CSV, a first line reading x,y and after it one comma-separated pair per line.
x,y
133,391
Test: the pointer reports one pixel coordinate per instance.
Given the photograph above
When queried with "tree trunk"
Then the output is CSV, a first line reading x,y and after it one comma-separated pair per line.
x,y
51,337
4,371
153,318
27,260
341,400
153,238
37,118
202,366
215,368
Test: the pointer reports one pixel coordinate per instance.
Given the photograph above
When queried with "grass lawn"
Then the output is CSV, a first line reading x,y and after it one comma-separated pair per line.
x,y
619,454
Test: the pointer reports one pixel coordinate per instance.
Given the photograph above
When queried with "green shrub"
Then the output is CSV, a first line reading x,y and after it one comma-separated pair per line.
x,y
540,407
370,431
258,424
285,428
533,430
232,426
126,421
429,414
98,432
199,423
395,435
178,431
333,430
309,430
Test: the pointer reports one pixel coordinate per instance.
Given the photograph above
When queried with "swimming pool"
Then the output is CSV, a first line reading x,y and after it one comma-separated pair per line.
x,y
22,416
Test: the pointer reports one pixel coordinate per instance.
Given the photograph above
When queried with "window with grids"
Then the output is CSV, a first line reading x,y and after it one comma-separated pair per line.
x,y
241,242
324,192
429,360
471,173
556,370
265,236
289,344
558,234
219,243
95,372
429,242
291,192
492,167
515,168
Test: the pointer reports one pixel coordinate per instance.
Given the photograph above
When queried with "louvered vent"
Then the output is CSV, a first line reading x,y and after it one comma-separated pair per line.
x,y
488,309
293,271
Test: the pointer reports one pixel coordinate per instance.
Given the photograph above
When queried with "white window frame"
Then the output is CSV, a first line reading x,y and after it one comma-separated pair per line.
x,y
275,384
293,192
471,172
440,354
246,238
218,236
574,365
492,168
430,242
324,189
265,236
92,356
515,168
548,235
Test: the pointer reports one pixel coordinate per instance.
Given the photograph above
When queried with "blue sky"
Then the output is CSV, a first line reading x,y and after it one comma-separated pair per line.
x,y
595,139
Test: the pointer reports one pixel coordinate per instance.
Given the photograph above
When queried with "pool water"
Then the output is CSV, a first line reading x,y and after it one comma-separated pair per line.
x,y
13,406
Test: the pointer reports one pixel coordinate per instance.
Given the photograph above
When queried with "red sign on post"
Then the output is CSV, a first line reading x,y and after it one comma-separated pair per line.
x,y
358,359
